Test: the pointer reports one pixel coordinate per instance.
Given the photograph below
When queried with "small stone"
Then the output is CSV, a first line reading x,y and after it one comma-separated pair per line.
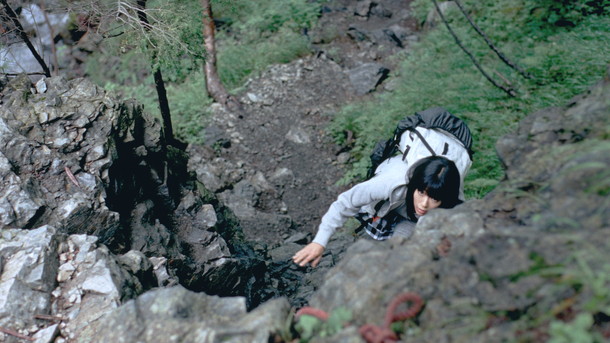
x,y
65,272
73,298
41,86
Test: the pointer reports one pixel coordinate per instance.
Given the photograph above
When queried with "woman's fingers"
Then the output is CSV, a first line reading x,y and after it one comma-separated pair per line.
x,y
311,252
303,257
299,257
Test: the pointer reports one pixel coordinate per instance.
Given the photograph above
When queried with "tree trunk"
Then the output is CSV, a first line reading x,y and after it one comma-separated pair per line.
x,y
214,87
164,106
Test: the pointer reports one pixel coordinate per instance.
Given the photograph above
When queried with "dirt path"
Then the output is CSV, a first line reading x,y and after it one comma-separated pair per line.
x,y
289,166
281,138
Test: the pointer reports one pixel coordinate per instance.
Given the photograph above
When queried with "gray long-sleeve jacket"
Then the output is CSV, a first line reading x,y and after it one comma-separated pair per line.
x,y
390,182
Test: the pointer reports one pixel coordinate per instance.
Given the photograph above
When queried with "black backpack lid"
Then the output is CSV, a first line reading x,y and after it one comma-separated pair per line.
x,y
437,118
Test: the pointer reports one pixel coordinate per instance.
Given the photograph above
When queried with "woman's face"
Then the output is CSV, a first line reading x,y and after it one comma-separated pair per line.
x,y
423,203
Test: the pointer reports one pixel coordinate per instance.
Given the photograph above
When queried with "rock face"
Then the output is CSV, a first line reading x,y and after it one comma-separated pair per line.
x,y
177,315
521,264
28,264
92,281
101,173
106,237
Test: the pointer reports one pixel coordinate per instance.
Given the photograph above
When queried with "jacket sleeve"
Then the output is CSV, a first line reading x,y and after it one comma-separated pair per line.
x,y
349,203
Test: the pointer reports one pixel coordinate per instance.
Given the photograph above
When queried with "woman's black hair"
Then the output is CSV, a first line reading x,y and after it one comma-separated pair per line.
x,y
439,178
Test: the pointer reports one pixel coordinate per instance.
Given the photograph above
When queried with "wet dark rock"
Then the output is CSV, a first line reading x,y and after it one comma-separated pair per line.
x,y
357,35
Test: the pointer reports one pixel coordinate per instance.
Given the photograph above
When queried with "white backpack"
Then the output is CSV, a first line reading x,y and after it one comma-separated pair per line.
x,y
440,143
434,131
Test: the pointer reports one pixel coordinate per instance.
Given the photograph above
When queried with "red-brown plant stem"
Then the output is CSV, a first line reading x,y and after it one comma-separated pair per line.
x,y
15,334
214,87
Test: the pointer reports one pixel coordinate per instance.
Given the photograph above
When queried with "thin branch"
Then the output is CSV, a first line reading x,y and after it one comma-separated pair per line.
x,y
17,74
508,91
490,43
113,35
506,81
13,16
130,15
16,334
52,37
49,317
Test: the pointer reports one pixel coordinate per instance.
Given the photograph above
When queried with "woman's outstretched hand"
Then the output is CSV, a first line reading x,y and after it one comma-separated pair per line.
x,y
311,253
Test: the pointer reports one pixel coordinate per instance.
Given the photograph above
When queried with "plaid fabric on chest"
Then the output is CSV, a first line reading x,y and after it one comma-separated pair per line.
x,y
377,227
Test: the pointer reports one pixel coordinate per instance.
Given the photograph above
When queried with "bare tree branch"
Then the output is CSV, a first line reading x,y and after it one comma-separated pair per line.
x,y
490,43
17,74
508,91
13,17
154,30
16,334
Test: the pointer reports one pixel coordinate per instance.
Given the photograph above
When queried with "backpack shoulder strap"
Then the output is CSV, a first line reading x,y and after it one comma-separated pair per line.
x,y
423,140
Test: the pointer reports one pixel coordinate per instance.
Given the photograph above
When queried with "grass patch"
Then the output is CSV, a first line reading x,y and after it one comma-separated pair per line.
x,y
564,61
238,61
258,34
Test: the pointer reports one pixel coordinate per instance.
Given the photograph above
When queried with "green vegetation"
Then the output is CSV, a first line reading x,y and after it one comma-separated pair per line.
x,y
563,45
250,37
310,327
584,282
261,33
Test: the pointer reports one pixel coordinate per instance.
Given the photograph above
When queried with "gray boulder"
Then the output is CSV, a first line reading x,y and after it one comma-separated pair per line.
x,y
57,285
367,76
28,265
92,281
177,315
522,263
